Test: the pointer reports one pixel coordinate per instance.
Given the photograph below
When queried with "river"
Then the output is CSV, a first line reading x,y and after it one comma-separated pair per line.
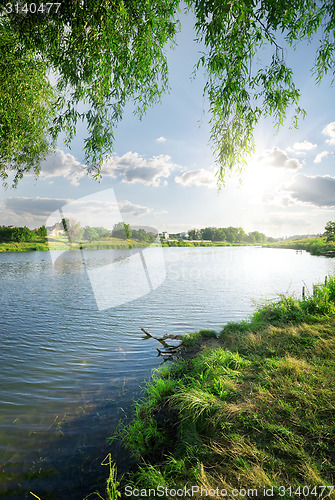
x,y
71,368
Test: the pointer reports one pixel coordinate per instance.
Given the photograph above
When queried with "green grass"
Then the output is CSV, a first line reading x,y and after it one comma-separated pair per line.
x,y
254,411
191,339
112,484
61,243
316,246
26,246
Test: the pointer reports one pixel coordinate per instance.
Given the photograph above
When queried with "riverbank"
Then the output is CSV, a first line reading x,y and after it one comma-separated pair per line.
x,y
315,246
249,408
104,244
58,244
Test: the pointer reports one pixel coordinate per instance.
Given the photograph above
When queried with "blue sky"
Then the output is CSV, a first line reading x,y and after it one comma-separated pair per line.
x,y
162,170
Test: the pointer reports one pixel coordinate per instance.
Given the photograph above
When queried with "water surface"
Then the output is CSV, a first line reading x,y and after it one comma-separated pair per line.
x,y
69,372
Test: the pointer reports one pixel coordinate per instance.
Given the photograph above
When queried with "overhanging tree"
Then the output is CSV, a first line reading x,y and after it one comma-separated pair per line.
x,y
26,107
108,53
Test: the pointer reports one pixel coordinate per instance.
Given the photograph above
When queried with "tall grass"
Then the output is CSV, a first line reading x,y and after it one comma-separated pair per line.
x,y
290,309
254,411
112,484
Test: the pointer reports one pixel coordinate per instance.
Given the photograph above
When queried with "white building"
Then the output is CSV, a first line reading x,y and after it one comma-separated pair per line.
x,y
164,235
184,235
56,229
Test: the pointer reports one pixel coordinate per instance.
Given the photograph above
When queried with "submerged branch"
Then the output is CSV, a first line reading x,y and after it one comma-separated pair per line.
x,y
171,349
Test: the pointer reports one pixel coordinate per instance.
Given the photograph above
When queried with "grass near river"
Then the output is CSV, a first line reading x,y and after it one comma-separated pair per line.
x,y
249,408
316,246
61,243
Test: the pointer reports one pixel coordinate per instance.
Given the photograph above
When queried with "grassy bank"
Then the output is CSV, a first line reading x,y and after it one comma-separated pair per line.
x,y
62,244
316,246
204,243
253,409
26,246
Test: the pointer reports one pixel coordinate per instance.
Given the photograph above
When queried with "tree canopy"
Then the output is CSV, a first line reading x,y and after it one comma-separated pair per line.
x,y
330,231
109,53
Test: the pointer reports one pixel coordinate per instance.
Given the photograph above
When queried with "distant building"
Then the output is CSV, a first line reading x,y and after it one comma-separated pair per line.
x,y
164,235
56,229
184,235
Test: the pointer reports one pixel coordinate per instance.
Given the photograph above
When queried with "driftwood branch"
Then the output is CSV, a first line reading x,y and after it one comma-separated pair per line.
x,y
166,336
170,350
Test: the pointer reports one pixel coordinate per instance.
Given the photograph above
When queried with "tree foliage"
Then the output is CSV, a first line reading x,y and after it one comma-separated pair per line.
x,y
104,54
26,108
229,234
109,53
330,231
72,229
13,233
121,230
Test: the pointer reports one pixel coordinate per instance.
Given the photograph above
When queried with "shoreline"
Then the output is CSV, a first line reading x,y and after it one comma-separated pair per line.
x,y
16,247
248,408
315,246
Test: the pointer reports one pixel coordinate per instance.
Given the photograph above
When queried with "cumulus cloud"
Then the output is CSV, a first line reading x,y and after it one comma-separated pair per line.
x,y
102,208
200,177
128,208
303,146
98,209
132,168
41,207
317,191
161,139
60,164
320,156
329,130
275,157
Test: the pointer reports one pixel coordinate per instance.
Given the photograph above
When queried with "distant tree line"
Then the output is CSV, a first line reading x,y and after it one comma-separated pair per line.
x,y
76,232
120,230
229,234
124,231
8,233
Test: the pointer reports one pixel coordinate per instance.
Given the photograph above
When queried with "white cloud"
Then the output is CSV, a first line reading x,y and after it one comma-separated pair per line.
x,y
200,177
303,146
320,156
330,131
126,207
98,209
60,164
133,168
275,157
161,139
